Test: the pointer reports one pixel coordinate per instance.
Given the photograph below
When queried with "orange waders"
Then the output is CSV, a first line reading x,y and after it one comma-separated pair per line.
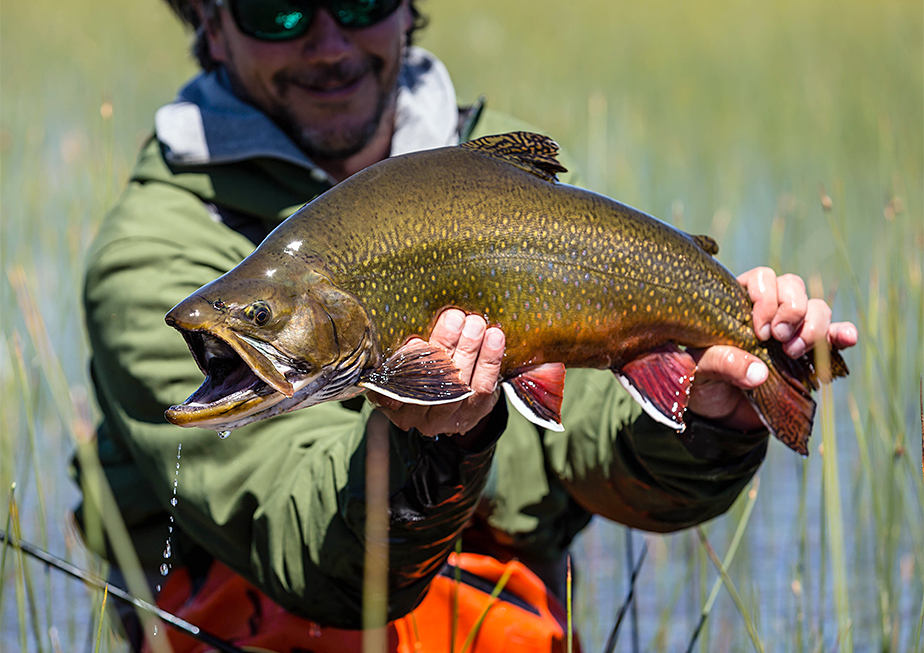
x,y
524,617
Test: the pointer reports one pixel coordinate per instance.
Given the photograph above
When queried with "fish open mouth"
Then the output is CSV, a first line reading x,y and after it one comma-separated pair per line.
x,y
236,383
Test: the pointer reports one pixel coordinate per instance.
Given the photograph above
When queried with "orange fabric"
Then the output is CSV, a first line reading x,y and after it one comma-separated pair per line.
x,y
229,607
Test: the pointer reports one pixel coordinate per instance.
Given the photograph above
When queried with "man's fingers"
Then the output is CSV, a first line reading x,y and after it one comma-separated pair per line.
x,y
842,335
791,308
485,375
448,329
760,284
469,345
813,330
731,365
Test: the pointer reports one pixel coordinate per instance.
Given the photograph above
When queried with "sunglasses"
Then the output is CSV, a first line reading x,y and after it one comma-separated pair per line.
x,y
284,20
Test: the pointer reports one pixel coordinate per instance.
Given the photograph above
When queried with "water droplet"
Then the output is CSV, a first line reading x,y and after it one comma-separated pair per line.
x,y
164,569
223,434
155,629
168,551
314,630
157,587
173,501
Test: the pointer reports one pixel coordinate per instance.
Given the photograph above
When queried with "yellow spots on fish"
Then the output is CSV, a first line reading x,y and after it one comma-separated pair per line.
x,y
500,310
391,331
648,308
414,299
374,312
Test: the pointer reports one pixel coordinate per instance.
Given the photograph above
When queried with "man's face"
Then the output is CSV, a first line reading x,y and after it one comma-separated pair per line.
x,y
327,89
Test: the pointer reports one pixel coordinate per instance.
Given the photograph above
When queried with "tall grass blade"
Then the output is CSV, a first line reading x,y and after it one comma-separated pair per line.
x,y
730,587
569,635
456,580
6,528
26,581
832,494
498,588
729,558
102,618
27,400
630,597
375,568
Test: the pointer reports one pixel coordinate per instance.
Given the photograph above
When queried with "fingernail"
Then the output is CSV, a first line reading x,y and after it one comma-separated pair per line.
x,y
454,320
757,373
473,328
764,332
783,332
495,339
796,348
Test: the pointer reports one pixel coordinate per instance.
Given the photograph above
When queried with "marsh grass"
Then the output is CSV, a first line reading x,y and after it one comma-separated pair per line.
x,y
725,117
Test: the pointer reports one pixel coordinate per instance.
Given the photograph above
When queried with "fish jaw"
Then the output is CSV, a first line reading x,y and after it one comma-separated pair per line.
x,y
248,380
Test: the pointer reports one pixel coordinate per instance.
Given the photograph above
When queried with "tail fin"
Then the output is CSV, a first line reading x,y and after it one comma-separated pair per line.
x,y
784,401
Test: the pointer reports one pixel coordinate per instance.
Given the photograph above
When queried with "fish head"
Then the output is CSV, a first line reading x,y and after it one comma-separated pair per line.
x,y
268,344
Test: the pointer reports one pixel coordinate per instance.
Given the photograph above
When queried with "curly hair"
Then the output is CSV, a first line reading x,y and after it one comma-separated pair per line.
x,y
186,12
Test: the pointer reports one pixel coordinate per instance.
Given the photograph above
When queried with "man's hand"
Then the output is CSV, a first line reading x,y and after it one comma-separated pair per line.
x,y
477,351
782,310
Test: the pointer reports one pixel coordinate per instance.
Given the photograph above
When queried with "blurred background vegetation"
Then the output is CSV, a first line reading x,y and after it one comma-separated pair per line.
x,y
735,118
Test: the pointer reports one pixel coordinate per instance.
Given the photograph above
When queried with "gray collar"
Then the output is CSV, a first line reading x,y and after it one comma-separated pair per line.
x,y
208,124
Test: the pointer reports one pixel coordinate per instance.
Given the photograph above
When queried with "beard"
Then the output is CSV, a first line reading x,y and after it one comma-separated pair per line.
x,y
318,140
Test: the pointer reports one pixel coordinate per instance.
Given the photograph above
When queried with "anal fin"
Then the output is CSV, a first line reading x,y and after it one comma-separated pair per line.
x,y
418,373
660,382
537,394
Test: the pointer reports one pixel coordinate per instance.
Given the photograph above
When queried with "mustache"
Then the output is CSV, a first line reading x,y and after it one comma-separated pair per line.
x,y
325,76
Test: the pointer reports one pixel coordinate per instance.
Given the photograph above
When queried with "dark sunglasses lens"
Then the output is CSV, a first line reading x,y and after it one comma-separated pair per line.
x,y
362,13
276,20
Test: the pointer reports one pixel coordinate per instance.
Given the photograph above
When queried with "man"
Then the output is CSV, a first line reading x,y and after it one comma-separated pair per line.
x,y
295,97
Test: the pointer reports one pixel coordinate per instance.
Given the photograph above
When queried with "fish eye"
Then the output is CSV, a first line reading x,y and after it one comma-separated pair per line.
x,y
259,313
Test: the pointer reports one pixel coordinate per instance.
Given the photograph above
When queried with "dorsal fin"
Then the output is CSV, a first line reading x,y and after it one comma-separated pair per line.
x,y
707,243
533,153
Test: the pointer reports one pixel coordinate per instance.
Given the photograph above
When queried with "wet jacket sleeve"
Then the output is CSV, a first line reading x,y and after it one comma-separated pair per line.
x,y
282,502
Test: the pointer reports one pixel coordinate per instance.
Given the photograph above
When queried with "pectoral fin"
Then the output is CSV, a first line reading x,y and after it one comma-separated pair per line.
x,y
418,373
537,394
660,382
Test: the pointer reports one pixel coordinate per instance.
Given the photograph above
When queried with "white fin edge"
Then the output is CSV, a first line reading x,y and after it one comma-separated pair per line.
x,y
647,406
525,410
408,400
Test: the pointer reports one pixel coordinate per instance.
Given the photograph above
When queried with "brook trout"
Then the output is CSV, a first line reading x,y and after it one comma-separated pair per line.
x,y
326,306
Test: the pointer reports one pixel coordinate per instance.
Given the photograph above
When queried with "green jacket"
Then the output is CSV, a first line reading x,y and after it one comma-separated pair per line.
x,y
282,501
